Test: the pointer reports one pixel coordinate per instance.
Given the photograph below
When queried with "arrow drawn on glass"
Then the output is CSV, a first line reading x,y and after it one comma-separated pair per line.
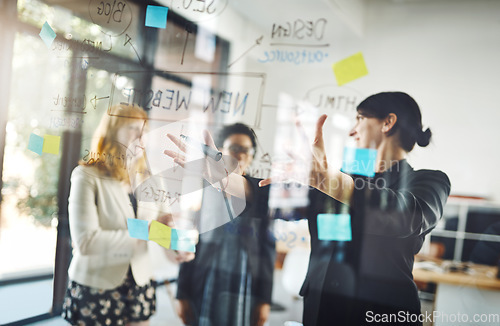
x,y
94,100
257,42
127,41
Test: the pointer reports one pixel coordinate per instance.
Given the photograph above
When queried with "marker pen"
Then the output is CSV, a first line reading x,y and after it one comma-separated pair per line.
x,y
207,150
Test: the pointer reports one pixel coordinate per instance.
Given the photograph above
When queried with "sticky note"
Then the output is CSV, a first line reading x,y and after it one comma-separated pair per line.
x,y
35,144
51,144
138,228
335,227
359,161
182,241
156,16
349,69
47,34
160,233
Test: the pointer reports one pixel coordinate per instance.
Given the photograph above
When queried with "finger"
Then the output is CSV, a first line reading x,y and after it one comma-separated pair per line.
x,y
318,138
179,162
177,142
178,158
184,256
174,155
265,182
208,139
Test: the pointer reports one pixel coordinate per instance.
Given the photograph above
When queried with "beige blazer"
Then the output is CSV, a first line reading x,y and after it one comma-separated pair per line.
x,y
102,248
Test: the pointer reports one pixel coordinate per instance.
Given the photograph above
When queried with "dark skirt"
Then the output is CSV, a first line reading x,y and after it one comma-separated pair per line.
x,y
128,302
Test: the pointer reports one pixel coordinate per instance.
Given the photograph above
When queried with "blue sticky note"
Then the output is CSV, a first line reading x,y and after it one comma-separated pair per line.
x,y
35,144
138,228
335,227
47,34
156,16
359,161
181,241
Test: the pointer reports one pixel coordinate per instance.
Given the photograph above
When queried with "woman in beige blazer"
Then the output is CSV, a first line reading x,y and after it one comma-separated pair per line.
x,y
110,273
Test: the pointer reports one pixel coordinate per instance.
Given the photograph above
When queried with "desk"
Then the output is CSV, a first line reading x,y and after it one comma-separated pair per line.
x,y
462,297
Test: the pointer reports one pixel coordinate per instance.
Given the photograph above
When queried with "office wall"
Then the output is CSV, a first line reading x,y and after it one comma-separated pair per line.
x,y
443,53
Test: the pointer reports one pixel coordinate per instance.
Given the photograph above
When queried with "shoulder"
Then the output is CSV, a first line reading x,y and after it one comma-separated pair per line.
x,y
436,180
431,174
87,173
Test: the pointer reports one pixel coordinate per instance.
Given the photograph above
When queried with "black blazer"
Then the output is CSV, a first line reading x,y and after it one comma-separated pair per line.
x,y
390,216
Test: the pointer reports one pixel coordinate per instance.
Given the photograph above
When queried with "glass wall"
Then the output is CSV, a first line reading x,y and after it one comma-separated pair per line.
x,y
181,71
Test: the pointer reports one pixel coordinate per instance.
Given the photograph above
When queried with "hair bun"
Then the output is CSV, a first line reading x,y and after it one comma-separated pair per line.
x,y
424,137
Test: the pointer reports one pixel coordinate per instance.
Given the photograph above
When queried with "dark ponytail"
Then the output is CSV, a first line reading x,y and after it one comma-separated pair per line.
x,y
409,118
424,137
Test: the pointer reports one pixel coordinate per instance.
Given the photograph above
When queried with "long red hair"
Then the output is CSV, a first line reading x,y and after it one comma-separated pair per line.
x,y
112,158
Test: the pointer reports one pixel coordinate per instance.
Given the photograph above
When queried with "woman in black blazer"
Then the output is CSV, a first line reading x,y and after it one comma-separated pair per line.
x,y
367,280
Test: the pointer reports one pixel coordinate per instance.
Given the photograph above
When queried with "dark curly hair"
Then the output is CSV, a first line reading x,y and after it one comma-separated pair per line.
x,y
237,128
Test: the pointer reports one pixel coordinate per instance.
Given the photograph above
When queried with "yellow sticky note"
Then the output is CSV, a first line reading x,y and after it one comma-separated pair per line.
x,y
51,144
350,68
160,233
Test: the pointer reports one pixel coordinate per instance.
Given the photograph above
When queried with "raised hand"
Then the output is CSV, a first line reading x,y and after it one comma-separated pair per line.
x,y
319,167
333,183
207,168
314,158
180,256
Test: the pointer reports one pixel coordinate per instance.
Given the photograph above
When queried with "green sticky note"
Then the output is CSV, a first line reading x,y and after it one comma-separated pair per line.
x,y
47,34
51,144
336,227
35,144
349,69
182,241
160,233
138,228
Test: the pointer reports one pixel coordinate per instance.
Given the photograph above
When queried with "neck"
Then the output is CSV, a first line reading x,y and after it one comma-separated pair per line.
x,y
388,153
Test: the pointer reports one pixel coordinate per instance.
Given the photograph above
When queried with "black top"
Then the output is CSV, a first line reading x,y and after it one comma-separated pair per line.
x,y
390,216
234,263
133,202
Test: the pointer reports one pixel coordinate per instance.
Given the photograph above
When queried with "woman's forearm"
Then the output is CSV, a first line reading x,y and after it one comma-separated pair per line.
x,y
236,185
335,184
